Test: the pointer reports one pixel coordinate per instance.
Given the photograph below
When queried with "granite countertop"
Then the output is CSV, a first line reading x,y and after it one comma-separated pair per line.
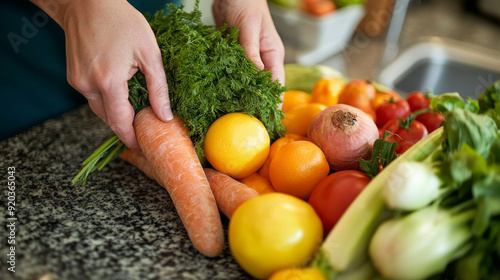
x,y
123,225
120,225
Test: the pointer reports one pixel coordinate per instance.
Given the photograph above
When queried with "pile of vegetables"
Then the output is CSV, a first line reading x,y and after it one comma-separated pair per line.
x,y
431,212
434,212
209,76
410,119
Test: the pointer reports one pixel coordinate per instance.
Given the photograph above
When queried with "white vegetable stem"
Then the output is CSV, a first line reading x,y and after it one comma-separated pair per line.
x,y
420,244
411,185
347,244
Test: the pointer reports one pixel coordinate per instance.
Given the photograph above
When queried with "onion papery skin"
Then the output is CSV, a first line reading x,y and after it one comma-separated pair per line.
x,y
345,134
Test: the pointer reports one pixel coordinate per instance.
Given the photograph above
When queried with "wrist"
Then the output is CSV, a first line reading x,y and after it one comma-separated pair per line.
x,y
55,9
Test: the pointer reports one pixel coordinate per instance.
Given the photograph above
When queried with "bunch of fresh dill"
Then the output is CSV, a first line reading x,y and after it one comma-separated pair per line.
x,y
208,75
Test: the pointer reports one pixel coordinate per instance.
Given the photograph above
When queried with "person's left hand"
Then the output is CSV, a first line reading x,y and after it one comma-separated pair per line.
x,y
258,36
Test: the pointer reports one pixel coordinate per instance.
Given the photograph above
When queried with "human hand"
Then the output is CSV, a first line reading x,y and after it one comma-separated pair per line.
x,y
107,42
258,36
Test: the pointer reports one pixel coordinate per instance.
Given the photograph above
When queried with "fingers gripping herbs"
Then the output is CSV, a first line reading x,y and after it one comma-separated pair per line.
x,y
208,75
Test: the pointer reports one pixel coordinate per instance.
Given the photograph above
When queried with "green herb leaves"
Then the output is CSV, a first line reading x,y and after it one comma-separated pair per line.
x,y
209,75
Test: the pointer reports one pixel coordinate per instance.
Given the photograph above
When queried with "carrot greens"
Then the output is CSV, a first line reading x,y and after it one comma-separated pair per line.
x,y
208,75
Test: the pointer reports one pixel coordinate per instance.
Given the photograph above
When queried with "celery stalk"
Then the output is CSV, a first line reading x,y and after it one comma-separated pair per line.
x,y
346,246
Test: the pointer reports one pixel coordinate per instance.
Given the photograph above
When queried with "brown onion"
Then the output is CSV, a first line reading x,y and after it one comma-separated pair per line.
x,y
345,134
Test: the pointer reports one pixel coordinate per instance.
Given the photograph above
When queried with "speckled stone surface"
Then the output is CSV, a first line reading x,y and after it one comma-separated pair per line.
x,y
120,225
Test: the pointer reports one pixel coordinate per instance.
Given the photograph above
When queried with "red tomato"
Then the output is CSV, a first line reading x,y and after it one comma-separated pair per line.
x,y
402,147
431,121
381,132
392,111
414,133
333,195
418,100
383,97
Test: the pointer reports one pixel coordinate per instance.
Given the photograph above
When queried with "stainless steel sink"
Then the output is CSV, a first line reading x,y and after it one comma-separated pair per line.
x,y
443,65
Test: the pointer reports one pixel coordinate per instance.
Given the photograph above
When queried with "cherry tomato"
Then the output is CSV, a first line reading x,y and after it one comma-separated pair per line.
x,y
392,110
414,132
431,120
333,195
402,147
381,132
383,97
418,100
274,231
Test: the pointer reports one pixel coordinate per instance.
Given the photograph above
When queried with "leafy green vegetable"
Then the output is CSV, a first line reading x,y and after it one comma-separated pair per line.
x,y
446,102
465,154
208,76
482,260
489,102
478,131
383,154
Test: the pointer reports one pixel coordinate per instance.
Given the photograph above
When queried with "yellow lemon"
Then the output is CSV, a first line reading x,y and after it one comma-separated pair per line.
x,y
237,144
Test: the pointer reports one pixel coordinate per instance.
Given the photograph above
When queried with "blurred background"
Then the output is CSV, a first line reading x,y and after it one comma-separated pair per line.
x,y
440,45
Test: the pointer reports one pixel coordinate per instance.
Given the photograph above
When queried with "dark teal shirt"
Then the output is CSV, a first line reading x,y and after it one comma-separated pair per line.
x,y
33,84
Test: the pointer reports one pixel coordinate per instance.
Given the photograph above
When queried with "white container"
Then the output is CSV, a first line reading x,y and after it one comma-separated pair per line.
x,y
322,35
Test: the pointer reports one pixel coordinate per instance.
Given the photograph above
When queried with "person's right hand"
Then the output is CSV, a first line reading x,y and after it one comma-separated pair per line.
x,y
258,36
107,42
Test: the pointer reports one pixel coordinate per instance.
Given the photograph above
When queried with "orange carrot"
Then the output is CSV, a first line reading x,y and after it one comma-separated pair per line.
x,y
171,154
228,192
138,160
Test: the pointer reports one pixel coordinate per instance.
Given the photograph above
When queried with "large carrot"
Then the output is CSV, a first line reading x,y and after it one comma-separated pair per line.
x,y
228,192
171,154
138,160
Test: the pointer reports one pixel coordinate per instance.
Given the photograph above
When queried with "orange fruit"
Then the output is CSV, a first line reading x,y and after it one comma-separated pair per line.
x,y
258,183
237,144
297,120
357,93
275,146
294,98
370,112
295,136
327,91
297,167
